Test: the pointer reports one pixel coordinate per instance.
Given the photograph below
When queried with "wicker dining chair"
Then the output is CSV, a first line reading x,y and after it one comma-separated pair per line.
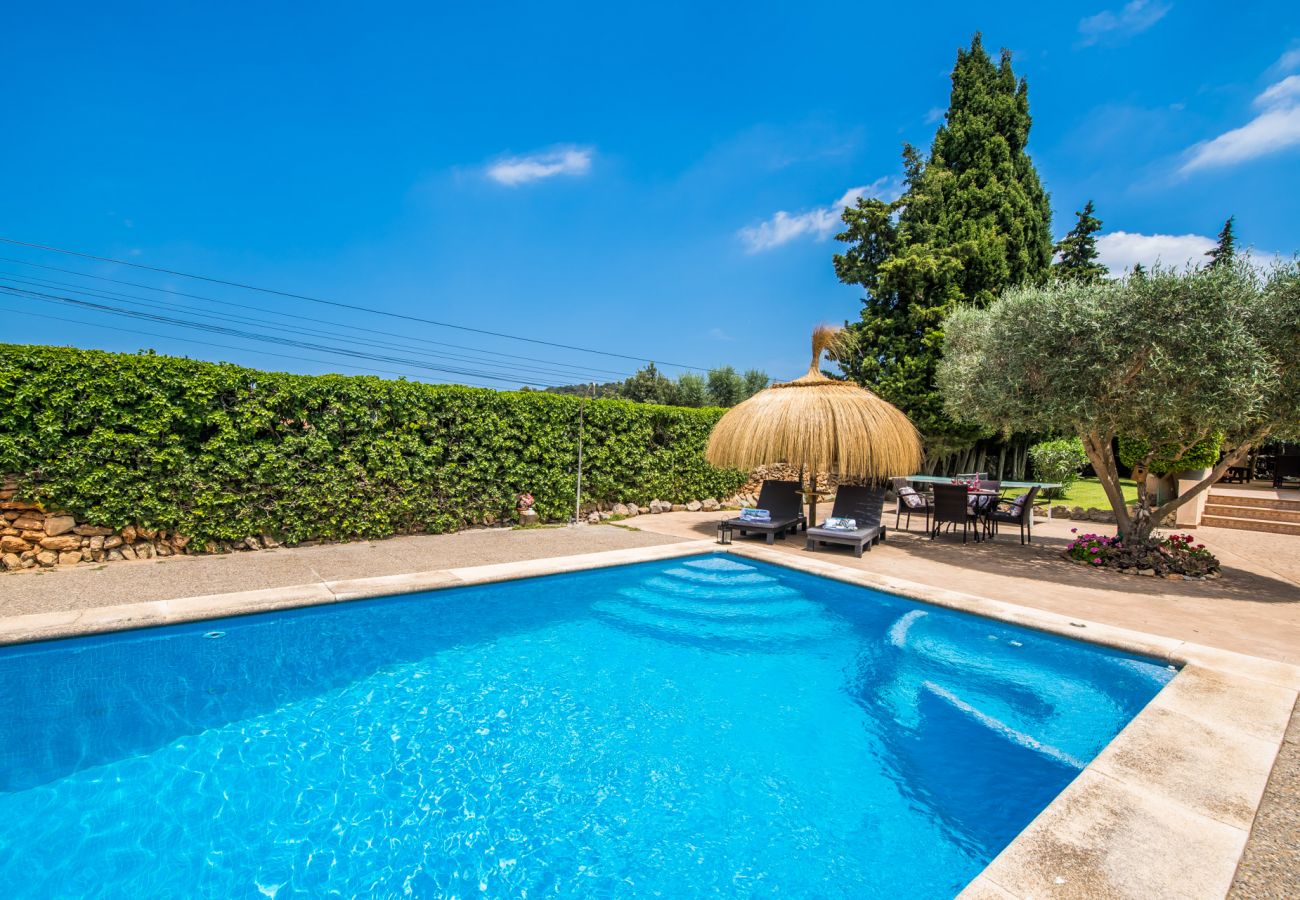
x,y
1016,512
951,507
910,501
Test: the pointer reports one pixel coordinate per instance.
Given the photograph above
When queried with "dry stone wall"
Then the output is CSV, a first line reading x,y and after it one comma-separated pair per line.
x,y
748,494
34,537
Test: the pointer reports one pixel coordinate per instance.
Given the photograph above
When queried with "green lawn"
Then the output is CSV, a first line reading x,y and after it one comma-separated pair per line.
x,y
1087,492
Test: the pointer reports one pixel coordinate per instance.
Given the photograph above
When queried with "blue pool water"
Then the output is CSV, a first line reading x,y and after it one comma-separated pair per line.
x,y
699,726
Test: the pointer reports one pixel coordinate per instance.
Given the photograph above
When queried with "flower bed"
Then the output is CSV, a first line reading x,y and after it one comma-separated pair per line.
x,y
1168,556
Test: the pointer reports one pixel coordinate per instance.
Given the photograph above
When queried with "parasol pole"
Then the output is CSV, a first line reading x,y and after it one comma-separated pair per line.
x,y
809,493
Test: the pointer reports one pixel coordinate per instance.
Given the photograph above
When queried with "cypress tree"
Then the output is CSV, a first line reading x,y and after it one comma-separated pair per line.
x,y
1224,251
973,219
1077,251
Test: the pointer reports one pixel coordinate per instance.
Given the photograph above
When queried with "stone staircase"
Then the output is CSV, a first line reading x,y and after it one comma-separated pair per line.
x,y
1255,511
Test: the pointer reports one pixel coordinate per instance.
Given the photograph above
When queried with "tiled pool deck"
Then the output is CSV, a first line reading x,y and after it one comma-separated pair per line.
x,y
1165,811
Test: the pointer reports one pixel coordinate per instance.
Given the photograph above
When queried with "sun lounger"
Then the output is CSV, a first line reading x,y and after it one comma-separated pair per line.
x,y
864,505
784,504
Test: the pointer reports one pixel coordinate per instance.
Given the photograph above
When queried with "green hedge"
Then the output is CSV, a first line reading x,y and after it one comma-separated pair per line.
x,y
1202,455
220,452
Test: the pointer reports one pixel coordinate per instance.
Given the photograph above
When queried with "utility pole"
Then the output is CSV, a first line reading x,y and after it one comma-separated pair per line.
x,y
577,498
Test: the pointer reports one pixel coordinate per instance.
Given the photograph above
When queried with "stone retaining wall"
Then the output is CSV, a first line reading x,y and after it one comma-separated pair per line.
x,y
779,472
602,512
1079,514
32,537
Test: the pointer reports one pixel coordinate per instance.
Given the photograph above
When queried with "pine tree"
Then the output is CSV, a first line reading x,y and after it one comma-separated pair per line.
x,y
1077,251
973,220
1224,251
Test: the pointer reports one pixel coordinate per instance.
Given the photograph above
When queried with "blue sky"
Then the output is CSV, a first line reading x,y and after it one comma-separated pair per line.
x,y
655,181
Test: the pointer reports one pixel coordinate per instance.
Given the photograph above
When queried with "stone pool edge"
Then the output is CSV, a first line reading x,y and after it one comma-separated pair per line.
x,y
1164,810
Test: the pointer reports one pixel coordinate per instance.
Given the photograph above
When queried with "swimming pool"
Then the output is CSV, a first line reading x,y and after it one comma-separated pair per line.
x,y
705,725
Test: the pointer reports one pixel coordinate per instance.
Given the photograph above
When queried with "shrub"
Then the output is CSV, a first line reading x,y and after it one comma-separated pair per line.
x,y
1201,455
1060,460
220,452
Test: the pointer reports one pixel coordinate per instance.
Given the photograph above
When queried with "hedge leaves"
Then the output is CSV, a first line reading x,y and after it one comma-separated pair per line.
x,y
219,452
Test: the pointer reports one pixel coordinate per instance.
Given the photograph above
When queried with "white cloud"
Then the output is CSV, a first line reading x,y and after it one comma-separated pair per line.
x,y
1133,18
1287,62
819,223
516,170
1119,251
1276,128
1283,93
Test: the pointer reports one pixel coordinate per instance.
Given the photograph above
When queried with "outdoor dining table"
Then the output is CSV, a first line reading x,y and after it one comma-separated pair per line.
x,y
1024,485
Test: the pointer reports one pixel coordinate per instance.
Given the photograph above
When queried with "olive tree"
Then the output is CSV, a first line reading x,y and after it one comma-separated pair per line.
x,y
1170,359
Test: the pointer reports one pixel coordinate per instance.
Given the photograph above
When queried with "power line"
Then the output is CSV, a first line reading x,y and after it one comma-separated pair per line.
x,y
105,309
352,306
245,335
116,296
258,350
272,312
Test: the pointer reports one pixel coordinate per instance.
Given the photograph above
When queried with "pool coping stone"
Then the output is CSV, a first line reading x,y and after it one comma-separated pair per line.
x,y
1164,810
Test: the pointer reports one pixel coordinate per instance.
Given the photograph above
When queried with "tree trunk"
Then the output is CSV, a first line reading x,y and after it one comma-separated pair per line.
x,y
1143,522
1137,526
1102,456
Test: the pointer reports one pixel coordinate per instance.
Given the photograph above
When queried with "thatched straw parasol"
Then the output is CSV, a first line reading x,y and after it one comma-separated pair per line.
x,y
820,425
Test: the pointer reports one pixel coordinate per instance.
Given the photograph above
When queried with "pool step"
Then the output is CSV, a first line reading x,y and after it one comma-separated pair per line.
x,y
726,605
732,609
719,591
793,630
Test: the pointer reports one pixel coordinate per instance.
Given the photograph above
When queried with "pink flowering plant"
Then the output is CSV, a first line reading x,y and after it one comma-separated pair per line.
x,y
1093,549
1174,554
